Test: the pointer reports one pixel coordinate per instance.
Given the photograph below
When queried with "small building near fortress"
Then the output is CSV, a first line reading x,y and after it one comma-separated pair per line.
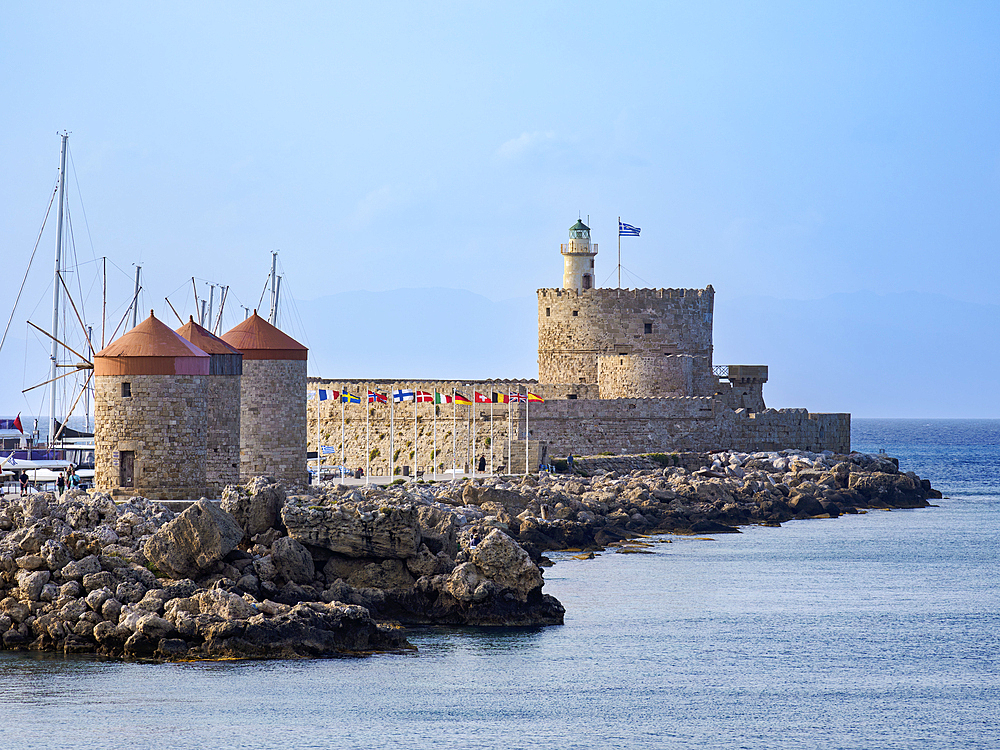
x,y
149,427
621,371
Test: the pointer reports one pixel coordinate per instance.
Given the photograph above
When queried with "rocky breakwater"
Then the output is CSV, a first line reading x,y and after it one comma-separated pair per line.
x,y
709,493
81,574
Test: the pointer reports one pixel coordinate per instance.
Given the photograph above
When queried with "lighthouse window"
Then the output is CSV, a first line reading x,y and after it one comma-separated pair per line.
x,y
586,281
126,390
647,327
591,262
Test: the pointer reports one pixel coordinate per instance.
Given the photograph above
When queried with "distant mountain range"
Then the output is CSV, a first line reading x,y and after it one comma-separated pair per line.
x,y
875,355
892,355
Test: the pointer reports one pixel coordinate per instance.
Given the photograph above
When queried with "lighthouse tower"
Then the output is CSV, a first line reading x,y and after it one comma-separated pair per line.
x,y
578,258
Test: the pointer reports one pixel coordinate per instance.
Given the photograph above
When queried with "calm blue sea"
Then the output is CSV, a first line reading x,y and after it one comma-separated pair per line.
x,y
872,631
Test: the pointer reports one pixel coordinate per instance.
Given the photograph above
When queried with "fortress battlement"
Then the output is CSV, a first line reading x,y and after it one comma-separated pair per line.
x,y
632,294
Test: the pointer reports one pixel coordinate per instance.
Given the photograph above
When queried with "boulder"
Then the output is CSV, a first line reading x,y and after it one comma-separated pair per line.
x,y
292,560
256,505
806,505
503,561
356,529
198,537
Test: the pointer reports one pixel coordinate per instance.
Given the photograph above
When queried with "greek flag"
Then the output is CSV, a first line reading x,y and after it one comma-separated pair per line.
x,y
627,230
328,449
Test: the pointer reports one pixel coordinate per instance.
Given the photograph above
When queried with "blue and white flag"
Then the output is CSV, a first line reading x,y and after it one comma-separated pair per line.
x,y
328,449
627,230
401,395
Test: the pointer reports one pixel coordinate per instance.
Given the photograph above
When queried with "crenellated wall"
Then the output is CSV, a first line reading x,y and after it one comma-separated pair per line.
x,y
575,327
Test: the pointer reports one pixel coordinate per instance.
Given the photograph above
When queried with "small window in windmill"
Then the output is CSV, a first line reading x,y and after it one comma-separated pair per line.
x,y
548,312
647,327
126,390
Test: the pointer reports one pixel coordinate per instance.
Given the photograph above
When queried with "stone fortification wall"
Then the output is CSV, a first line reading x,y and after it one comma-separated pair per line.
x,y
626,426
366,427
162,423
628,375
555,428
574,327
222,464
273,420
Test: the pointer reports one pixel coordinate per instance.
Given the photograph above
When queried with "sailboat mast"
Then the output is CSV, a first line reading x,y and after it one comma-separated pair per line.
x,y
135,299
274,291
54,355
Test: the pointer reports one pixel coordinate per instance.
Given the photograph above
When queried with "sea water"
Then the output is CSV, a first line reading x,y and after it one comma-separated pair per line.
x,y
879,630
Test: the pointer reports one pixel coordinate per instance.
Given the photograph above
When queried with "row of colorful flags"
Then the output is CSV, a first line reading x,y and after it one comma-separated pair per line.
x,y
425,397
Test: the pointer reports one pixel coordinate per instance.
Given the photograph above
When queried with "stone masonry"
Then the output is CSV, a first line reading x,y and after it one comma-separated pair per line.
x,y
273,420
162,423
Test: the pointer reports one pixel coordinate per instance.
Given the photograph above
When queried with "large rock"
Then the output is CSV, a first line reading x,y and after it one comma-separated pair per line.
x,y
190,543
356,529
292,560
256,505
313,629
503,561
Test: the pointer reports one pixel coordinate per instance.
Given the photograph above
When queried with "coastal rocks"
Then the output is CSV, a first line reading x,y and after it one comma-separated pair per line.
x,y
201,535
501,560
355,529
292,560
255,506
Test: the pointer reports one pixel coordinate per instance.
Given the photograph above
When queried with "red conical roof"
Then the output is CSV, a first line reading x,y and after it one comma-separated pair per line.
x,y
258,339
151,348
205,339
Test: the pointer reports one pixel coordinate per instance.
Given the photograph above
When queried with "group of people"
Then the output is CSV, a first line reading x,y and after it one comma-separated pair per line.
x,y
67,479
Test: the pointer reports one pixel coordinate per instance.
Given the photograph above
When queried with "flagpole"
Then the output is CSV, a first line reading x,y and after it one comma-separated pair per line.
x,y
434,449
491,432
510,444
414,434
392,459
620,254
526,431
474,409
319,460
454,437
343,444
368,439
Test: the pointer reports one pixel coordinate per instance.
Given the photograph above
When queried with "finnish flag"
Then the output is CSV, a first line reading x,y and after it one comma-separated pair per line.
x,y
401,395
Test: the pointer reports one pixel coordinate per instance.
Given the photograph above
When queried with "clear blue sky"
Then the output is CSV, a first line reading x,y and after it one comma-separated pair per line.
x,y
785,149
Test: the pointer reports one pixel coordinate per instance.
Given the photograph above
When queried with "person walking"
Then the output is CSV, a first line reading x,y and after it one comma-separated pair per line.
x,y
569,462
482,463
61,483
24,483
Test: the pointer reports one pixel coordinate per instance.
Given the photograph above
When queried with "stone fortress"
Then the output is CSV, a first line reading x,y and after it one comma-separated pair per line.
x,y
182,414
622,371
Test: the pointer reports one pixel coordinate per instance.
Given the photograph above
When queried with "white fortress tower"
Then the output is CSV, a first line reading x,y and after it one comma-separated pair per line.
x,y
578,258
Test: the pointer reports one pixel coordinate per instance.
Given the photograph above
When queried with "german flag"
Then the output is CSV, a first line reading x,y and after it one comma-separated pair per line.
x,y
460,399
